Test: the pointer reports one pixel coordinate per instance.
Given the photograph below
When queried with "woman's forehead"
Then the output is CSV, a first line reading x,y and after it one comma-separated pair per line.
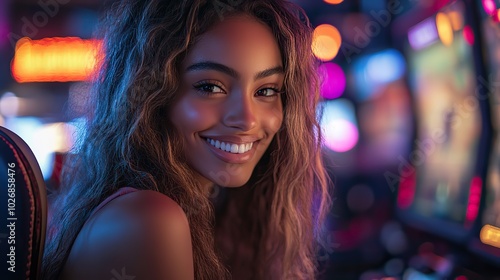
x,y
238,42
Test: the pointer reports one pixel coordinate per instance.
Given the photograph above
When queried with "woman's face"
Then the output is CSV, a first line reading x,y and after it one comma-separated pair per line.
x,y
230,106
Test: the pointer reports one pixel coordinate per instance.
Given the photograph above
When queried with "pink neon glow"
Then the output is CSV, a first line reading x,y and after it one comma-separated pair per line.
x,y
495,16
341,135
468,35
406,192
334,80
489,6
474,199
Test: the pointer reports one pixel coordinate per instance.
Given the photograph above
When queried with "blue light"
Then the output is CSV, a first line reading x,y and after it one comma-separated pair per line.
x,y
27,128
377,70
385,67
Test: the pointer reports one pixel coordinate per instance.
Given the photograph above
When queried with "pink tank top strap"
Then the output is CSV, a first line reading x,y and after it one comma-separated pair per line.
x,y
118,193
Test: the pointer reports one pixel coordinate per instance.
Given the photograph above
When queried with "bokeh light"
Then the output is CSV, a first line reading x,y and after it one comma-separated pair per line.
x,y
393,63
59,59
28,129
368,76
339,125
474,199
468,35
341,135
333,1
496,16
456,20
58,137
445,29
326,42
333,80
489,7
9,104
406,192
423,34
490,235
360,198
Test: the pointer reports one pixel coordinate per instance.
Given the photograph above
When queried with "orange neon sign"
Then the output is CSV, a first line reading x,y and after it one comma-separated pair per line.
x,y
58,59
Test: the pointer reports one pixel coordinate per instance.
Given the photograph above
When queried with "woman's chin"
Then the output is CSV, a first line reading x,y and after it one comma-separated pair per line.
x,y
232,181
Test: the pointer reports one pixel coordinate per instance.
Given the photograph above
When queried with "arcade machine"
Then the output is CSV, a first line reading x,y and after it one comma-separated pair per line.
x,y
441,180
486,240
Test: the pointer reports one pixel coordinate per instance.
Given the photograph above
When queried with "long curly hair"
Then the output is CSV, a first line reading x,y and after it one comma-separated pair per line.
x,y
269,228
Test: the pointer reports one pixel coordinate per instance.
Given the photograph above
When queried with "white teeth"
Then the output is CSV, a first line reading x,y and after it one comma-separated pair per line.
x,y
234,148
230,148
242,148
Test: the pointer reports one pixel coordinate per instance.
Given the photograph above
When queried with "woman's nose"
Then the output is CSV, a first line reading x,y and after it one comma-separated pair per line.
x,y
240,112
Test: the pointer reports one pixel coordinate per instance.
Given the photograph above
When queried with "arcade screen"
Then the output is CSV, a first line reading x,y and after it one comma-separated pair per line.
x,y
441,77
490,232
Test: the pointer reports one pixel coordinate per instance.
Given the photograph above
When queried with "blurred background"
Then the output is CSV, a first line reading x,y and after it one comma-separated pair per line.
x,y
411,116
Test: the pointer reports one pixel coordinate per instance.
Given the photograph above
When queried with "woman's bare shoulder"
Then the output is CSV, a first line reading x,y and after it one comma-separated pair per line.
x,y
143,234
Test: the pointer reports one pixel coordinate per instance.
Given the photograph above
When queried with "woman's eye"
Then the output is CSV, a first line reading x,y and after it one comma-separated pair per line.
x,y
268,92
208,88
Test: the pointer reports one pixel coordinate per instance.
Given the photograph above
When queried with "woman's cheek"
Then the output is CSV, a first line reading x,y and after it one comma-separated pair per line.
x,y
199,114
275,119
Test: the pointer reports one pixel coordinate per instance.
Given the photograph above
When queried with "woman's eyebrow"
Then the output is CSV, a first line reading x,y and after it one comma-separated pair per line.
x,y
210,65
269,72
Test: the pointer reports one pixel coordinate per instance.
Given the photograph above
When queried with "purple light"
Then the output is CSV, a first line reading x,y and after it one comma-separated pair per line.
x,y
423,34
4,31
4,26
341,135
334,80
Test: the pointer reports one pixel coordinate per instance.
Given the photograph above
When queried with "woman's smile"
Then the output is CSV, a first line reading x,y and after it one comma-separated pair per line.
x,y
231,152
230,147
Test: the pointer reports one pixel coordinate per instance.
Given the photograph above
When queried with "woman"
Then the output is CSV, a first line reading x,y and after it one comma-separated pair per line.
x,y
196,95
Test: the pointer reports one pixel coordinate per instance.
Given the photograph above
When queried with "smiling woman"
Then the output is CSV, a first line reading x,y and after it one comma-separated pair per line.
x,y
194,97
